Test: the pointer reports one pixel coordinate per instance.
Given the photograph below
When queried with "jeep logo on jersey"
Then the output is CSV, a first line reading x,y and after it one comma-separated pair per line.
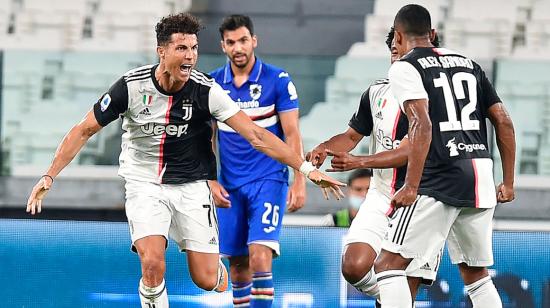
x,y
187,111
159,129
387,142
255,91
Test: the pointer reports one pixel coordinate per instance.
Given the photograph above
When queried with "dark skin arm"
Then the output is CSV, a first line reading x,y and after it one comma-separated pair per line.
x,y
343,142
420,137
344,161
506,142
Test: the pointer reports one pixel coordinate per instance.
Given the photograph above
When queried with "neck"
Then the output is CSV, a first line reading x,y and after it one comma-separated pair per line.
x,y
414,42
244,71
165,80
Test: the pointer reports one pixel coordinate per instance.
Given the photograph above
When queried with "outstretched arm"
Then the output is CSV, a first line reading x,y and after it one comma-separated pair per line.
x,y
67,150
506,142
269,144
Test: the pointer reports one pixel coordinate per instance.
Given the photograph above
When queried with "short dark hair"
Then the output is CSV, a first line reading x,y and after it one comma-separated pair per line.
x,y
234,22
389,38
359,173
176,23
413,19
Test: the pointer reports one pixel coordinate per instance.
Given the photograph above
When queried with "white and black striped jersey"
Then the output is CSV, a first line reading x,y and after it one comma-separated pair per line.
x,y
458,169
380,117
167,136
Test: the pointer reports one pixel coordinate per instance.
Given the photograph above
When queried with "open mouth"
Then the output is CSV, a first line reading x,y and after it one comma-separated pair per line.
x,y
186,68
239,57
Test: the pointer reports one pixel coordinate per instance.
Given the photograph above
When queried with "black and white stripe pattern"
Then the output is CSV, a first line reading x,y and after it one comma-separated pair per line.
x,y
201,78
403,224
139,73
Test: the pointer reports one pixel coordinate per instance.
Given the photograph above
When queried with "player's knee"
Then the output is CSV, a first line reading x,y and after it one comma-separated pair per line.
x,y
153,267
357,261
354,268
260,260
206,279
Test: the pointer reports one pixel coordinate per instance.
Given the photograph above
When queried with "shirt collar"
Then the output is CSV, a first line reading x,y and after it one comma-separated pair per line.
x,y
254,74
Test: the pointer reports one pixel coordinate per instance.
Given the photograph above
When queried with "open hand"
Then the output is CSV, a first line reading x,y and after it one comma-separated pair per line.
x,y
327,184
39,191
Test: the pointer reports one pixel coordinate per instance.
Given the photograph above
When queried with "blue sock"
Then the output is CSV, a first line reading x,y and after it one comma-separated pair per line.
x,y
241,294
262,290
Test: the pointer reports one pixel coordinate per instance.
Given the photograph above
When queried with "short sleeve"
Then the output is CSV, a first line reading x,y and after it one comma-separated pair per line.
x,y
489,95
361,121
221,106
287,96
406,82
112,104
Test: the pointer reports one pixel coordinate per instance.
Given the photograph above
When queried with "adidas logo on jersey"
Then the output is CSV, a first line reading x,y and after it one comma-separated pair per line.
x,y
426,267
145,112
379,115
213,241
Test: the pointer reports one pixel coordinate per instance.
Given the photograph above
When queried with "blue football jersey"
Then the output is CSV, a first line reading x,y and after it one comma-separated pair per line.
x,y
267,92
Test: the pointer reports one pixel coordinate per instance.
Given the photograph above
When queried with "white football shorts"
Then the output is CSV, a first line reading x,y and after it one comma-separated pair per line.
x,y
183,212
420,230
371,225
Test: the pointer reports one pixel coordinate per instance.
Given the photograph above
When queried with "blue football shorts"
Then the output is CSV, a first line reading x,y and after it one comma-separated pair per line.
x,y
255,217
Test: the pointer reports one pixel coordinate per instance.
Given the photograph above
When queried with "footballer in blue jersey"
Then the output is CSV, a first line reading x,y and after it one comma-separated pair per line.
x,y
255,185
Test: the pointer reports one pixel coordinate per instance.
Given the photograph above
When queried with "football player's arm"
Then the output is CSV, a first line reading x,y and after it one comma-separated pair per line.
x,y
71,144
107,109
266,142
343,142
344,161
420,137
408,87
506,142
225,110
297,192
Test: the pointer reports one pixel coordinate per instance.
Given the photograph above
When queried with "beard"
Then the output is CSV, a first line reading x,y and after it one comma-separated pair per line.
x,y
242,63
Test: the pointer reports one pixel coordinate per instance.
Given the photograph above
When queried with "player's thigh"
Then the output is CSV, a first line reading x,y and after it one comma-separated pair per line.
x,y
419,231
470,238
267,204
202,265
147,210
371,223
194,223
233,226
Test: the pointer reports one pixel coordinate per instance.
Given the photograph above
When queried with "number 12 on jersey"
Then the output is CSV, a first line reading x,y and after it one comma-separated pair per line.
x,y
453,124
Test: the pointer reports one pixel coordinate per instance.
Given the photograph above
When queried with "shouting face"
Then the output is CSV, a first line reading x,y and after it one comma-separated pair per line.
x,y
179,56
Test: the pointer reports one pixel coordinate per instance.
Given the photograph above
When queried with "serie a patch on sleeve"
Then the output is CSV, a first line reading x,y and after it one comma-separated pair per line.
x,y
105,102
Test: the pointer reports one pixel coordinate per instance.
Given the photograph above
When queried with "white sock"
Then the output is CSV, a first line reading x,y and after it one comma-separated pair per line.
x,y
394,289
484,294
368,284
155,297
